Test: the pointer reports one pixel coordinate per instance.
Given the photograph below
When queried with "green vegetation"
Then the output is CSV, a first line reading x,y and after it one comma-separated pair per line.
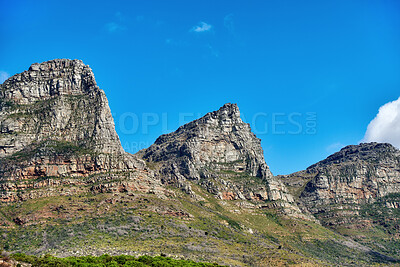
x,y
49,148
107,260
211,230
66,148
6,103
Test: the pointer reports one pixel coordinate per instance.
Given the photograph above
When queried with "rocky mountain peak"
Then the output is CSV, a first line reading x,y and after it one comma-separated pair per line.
x,y
338,187
49,79
370,152
218,137
55,100
227,119
220,153
227,111
55,122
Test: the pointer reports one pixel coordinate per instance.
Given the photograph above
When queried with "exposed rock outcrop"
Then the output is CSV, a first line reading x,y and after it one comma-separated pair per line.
x,y
56,125
58,100
337,187
220,153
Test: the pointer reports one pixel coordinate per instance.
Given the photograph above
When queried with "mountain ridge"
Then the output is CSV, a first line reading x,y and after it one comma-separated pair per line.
x,y
203,191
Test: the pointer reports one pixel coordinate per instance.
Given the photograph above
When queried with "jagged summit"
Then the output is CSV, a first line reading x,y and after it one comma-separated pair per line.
x,y
219,152
228,115
355,191
336,188
229,111
58,119
55,123
218,137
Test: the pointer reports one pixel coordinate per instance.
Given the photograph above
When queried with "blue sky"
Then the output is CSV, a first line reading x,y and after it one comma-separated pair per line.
x,y
309,76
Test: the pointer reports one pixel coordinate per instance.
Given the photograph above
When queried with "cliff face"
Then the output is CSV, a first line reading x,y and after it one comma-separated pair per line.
x,y
339,189
355,175
220,153
58,100
56,128
55,124
356,192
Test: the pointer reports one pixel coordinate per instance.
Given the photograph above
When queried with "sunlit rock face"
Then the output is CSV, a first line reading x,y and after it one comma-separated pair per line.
x,y
220,153
337,188
57,100
56,129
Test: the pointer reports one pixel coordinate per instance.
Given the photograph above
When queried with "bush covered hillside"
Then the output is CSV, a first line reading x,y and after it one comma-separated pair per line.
x,y
20,259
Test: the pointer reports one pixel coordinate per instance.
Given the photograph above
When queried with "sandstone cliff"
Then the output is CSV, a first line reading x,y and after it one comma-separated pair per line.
x,y
55,123
338,188
356,192
57,99
57,129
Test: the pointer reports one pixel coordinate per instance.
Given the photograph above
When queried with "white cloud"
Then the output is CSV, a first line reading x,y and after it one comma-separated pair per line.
x,y
385,127
3,76
201,27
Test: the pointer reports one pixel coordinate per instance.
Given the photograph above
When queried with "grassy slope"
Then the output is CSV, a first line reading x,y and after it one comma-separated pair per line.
x,y
143,224
376,225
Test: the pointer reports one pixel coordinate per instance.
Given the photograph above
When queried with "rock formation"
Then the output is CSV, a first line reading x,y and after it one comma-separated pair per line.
x,y
220,153
55,122
336,188
58,100
57,139
56,129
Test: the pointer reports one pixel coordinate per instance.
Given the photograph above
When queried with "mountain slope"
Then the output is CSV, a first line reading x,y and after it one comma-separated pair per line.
x,y
355,192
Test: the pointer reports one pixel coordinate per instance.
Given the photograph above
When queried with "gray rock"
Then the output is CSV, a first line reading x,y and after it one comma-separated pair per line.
x,y
57,100
220,153
55,122
337,187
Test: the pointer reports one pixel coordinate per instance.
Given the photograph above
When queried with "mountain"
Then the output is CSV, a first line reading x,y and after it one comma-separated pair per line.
x,y
56,126
59,100
220,153
355,192
203,192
